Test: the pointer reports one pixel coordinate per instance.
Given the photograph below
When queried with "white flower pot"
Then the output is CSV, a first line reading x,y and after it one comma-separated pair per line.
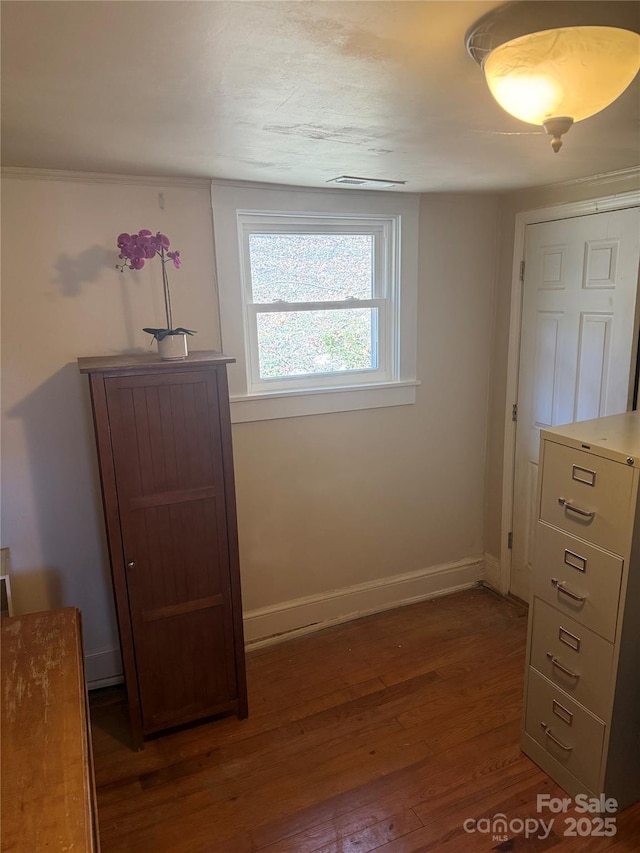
x,y
173,346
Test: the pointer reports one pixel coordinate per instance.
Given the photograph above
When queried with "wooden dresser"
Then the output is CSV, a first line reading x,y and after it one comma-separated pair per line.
x,y
163,434
48,795
582,696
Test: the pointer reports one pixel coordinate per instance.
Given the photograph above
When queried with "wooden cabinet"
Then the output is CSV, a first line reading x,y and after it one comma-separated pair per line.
x,y
164,446
582,697
48,792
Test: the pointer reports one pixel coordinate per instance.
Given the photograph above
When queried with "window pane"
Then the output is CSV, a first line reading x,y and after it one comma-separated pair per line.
x,y
294,343
311,267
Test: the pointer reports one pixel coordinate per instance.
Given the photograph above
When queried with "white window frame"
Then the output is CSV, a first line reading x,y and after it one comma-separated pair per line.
x,y
384,232
237,209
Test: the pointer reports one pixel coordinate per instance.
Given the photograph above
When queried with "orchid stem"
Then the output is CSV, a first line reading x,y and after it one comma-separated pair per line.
x,y
167,295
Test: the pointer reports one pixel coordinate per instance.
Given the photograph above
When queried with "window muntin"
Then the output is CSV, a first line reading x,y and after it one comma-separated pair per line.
x,y
318,300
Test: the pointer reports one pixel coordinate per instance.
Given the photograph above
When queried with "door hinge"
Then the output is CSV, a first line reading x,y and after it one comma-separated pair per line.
x,y
514,412
521,270
510,539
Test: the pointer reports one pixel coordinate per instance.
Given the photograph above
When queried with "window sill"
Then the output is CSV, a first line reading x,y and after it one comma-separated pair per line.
x,y
320,401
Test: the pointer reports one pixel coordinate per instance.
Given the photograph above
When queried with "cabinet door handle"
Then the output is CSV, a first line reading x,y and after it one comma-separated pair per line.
x,y
585,513
552,737
559,585
131,565
555,662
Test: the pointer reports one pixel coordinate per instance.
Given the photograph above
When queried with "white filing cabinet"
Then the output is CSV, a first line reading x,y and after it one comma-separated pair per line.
x,y
581,720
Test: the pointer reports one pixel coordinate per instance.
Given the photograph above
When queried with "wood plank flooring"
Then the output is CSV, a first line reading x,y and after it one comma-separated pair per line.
x,y
385,734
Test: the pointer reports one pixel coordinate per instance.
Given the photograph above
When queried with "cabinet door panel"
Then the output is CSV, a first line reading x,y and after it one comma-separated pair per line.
x,y
165,432
165,435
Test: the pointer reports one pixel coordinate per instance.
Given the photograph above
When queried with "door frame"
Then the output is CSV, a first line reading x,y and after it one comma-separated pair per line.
x,y
619,201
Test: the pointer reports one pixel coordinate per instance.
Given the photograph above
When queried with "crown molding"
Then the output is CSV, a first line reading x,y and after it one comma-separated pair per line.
x,y
26,173
623,182
621,175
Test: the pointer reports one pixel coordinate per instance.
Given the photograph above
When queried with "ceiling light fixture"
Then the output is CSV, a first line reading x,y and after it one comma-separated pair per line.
x,y
556,63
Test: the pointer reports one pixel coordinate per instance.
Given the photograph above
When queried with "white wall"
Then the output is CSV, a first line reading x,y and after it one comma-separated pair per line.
x,y
62,298
338,500
325,502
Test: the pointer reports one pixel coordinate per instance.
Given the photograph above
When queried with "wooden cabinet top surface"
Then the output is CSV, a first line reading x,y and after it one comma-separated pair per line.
x,y
47,779
151,362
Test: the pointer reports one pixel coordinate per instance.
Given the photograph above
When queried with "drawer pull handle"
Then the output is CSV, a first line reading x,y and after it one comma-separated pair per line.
x,y
559,585
585,513
555,662
552,737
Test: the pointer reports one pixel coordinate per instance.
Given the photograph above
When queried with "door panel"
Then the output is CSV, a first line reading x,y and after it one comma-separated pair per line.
x,y
546,360
165,435
594,364
578,318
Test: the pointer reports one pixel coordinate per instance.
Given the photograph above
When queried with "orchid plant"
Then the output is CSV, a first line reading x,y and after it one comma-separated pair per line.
x,y
135,250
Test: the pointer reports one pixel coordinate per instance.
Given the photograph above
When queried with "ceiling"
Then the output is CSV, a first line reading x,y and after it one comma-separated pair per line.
x,y
280,92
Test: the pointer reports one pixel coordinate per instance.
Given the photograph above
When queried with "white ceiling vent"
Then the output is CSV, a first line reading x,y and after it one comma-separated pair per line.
x,y
377,183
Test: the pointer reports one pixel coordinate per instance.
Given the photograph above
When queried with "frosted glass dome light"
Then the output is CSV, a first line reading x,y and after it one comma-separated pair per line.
x,y
570,73
557,76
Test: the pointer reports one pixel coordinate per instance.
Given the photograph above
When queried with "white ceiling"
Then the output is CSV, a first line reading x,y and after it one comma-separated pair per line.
x,y
282,92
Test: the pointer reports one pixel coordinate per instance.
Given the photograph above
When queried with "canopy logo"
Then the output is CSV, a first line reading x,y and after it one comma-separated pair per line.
x,y
501,828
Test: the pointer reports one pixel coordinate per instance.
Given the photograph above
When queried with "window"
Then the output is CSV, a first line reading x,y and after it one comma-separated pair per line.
x,y
317,293
318,300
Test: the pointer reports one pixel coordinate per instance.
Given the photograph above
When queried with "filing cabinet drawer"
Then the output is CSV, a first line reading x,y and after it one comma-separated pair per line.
x,y
572,657
565,730
587,495
580,580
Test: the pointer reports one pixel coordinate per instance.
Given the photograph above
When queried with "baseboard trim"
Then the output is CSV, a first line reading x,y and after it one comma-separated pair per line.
x,y
103,668
267,625
492,573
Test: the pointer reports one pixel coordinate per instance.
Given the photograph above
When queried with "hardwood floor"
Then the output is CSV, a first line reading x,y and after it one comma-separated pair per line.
x,y
385,734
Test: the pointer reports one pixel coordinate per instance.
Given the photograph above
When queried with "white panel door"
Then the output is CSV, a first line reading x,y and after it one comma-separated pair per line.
x,y
576,346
